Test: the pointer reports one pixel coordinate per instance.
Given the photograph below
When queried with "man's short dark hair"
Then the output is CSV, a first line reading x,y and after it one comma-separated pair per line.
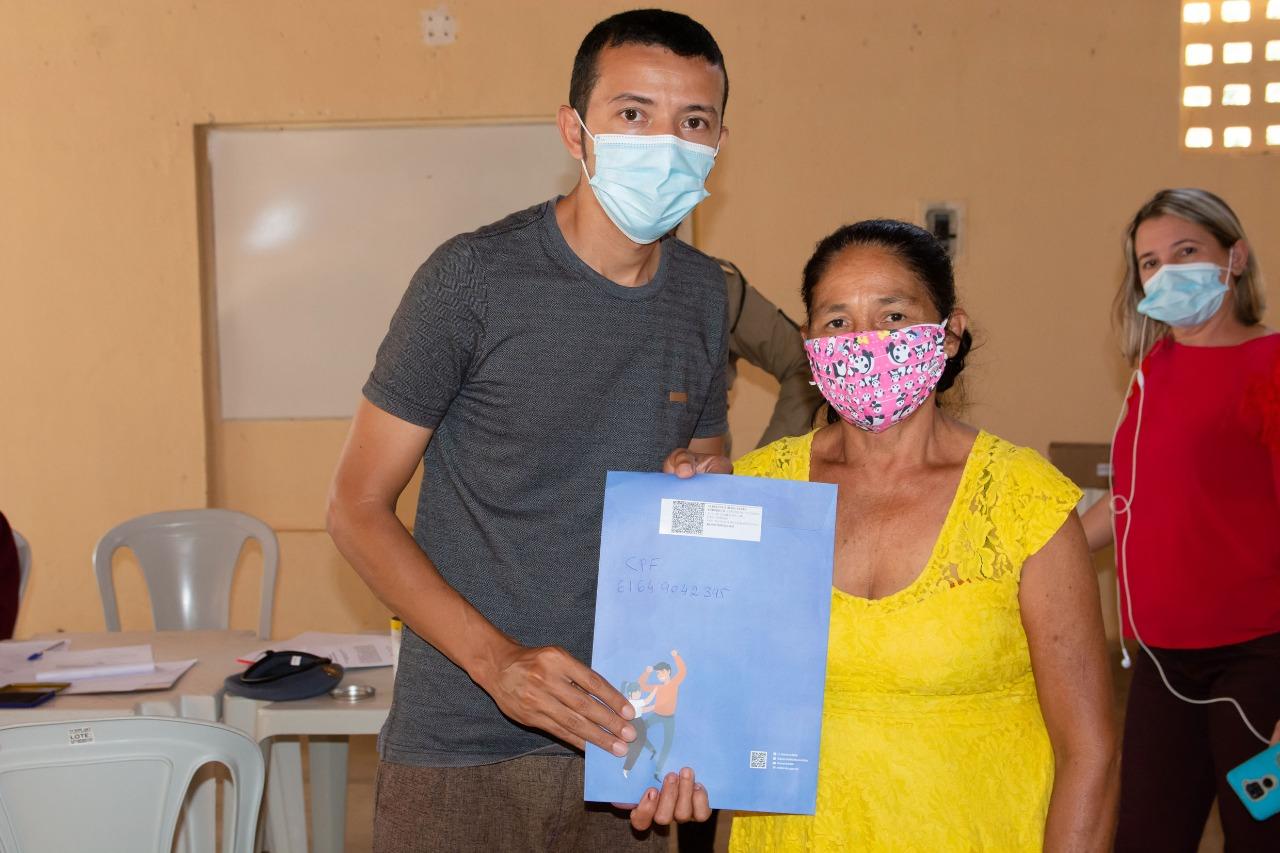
x,y
662,667
678,33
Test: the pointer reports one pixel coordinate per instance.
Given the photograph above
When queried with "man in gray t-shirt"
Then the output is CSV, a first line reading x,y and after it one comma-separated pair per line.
x,y
526,359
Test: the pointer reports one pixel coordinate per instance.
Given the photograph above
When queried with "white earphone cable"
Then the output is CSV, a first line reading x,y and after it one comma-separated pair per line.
x,y
1123,505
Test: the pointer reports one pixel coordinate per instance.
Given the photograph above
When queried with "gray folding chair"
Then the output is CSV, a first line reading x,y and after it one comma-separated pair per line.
x,y
24,563
188,558
94,786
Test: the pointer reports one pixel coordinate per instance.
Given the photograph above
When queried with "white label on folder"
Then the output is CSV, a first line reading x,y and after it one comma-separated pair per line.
x,y
710,520
79,736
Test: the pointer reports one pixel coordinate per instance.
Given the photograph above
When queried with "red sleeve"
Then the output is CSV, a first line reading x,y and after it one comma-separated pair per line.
x,y
1267,399
1262,402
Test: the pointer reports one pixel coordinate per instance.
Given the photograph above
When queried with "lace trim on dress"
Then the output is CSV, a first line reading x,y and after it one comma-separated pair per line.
x,y
1009,503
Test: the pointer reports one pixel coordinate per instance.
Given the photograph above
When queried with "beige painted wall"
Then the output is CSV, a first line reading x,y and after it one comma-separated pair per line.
x,y
1051,122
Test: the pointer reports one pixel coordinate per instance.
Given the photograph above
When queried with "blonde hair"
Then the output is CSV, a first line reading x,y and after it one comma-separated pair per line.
x,y
1205,209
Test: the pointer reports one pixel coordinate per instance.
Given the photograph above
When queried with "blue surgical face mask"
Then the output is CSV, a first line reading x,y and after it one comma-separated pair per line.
x,y
648,184
1186,294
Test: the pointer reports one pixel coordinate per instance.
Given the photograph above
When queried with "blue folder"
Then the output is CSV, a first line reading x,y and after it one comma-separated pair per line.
x,y
733,575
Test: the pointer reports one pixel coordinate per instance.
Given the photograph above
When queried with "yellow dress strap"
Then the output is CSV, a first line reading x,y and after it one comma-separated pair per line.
x,y
1035,498
785,459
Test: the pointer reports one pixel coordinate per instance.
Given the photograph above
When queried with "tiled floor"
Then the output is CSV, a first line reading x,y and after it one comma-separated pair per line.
x,y
363,766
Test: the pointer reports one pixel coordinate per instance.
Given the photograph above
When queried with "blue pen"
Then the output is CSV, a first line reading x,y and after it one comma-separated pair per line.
x,y
40,654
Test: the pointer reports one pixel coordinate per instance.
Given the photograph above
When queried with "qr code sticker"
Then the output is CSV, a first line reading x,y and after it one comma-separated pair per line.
x,y
759,759
687,517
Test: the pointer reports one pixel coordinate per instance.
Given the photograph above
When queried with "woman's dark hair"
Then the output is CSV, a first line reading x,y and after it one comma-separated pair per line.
x,y
678,33
919,250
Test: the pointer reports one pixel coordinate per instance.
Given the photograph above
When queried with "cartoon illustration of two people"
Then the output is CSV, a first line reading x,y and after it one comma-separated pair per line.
x,y
656,708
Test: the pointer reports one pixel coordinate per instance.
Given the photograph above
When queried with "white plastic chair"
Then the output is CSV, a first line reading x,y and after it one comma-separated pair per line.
x,y
94,786
24,563
188,558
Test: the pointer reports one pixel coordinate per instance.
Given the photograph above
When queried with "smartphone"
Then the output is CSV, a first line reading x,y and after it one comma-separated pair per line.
x,y
1257,783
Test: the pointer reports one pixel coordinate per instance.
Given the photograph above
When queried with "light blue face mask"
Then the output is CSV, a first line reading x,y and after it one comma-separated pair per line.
x,y
648,184
1185,294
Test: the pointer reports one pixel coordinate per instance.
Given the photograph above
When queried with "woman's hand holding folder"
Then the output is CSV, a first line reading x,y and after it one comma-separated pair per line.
x,y
684,463
682,799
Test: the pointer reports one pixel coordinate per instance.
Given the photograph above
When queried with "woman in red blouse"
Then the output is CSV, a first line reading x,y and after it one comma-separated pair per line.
x,y
1196,508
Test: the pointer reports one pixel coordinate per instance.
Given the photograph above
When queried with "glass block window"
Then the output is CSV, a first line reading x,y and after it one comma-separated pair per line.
x,y
1236,11
1197,96
1236,95
1237,52
1229,89
1237,137
1197,13
1199,54
1199,137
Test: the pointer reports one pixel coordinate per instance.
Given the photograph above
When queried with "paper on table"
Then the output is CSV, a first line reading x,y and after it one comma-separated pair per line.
x,y
353,651
164,677
15,655
95,663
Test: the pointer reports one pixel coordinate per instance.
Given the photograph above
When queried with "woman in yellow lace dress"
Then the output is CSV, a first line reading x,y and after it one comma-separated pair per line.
x,y
968,702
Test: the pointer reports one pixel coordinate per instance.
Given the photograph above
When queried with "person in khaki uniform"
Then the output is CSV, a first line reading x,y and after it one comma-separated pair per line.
x,y
769,339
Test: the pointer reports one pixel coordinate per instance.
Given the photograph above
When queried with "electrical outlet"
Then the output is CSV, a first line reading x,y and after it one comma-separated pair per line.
x,y
943,220
438,26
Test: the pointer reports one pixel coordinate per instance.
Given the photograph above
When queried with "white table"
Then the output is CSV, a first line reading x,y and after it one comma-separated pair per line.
x,y
196,695
327,723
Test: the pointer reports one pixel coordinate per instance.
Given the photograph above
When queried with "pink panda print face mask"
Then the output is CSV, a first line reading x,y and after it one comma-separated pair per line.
x,y
877,378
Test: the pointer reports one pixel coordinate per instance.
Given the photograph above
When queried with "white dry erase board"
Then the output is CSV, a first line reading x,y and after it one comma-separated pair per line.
x,y
316,232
